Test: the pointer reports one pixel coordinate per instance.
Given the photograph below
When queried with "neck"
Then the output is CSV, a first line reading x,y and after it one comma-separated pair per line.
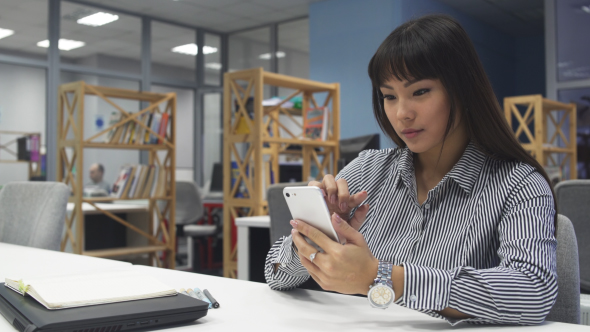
x,y
434,163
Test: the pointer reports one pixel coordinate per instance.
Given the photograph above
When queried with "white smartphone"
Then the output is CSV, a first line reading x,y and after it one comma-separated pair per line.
x,y
307,204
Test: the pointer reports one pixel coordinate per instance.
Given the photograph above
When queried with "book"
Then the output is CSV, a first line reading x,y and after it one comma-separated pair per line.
x,y
134,181
121,182
155,127
315,123
85,289
146,132
113,119
141,182
148,183
163,127
128,182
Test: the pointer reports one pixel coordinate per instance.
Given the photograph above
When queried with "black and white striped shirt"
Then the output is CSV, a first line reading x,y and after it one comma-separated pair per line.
x,y
483,241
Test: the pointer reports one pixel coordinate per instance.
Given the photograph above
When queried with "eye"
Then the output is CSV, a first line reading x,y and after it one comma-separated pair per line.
x,y
421,92
388,97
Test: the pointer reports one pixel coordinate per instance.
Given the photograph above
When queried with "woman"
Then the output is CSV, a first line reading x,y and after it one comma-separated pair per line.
x,y
459,220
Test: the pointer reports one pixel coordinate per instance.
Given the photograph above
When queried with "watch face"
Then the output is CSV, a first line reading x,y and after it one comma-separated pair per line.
x,y
381,296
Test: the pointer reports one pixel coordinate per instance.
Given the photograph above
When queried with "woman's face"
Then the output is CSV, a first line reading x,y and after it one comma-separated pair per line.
x,y
419,111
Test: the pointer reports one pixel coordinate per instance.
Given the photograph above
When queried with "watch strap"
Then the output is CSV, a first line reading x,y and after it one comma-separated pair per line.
x,y
384,273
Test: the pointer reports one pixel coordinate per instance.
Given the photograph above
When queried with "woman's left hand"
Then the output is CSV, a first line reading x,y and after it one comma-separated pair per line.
x,y
347,269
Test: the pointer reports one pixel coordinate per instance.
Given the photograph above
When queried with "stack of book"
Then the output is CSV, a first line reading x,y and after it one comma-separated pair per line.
x,y
133,133
28,148
140,181
315,123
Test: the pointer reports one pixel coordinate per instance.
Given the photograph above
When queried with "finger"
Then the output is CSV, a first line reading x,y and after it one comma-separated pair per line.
x,y
315,235
318,280
319,185
331,189
345,231
343,195
356,199
304,249
360,215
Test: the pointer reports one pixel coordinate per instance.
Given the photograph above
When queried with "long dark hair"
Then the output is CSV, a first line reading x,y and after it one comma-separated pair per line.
x,y
437,47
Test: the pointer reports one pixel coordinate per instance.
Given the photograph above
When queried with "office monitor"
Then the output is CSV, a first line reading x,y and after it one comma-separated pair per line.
x,y
351,147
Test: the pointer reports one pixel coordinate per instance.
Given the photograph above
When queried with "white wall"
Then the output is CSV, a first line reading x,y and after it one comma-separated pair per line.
x,y
22,108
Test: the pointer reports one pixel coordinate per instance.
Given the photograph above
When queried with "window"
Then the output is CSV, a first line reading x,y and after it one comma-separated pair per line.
x,y
100,38
173,52
573,41
23,24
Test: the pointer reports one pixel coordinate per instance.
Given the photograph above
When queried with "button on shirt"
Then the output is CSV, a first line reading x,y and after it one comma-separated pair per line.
x,y
482,243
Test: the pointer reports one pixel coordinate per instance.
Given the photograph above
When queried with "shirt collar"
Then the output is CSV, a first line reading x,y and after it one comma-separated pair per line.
x,y
464,173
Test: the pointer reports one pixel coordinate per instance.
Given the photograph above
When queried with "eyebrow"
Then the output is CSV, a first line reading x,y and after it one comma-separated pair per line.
x,y
407,84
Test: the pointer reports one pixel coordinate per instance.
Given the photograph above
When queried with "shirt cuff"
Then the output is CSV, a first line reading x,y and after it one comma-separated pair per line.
x,y
288,260
427,288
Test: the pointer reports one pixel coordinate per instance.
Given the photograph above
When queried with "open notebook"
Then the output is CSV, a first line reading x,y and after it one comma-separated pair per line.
x,y
60,292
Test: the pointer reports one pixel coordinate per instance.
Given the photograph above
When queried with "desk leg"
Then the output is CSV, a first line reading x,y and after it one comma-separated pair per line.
x,y
244,253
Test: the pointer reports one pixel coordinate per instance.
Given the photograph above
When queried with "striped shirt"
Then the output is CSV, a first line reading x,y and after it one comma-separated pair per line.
x,y
483,241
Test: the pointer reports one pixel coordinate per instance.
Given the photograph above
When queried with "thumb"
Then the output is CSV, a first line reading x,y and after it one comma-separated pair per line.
x,y
344,230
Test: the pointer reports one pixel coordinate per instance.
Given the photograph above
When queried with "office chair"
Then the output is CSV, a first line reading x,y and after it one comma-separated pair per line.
x,y
567,306
573,201
189,211
278,210
33,213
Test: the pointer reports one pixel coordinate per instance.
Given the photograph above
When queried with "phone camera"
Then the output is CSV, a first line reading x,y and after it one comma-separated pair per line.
x,y
287,194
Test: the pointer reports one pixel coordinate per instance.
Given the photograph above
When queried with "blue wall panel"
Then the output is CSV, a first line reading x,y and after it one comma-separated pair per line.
x,y
344,34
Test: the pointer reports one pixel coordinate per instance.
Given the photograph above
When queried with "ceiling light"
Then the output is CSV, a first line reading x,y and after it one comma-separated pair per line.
x,y
5,33
213,65
193,49
98,19
64,44
586,9
266,56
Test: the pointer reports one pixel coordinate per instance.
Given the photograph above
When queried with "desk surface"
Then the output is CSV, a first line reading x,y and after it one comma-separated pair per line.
x,y
254,221
249,306
130,206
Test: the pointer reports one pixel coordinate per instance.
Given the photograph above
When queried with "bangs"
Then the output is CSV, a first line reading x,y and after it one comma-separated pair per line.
x,y
404,56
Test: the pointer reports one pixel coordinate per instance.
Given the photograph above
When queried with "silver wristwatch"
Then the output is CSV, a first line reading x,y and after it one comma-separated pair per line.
x,y
381,293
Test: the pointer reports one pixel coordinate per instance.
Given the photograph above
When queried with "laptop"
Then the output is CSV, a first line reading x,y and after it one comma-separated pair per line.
x,y
26,314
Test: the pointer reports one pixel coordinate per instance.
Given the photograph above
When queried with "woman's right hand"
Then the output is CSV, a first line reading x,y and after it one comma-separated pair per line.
x,y
340,201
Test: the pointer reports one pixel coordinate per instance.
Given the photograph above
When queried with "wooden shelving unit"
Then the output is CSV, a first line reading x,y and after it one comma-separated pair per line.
x,y
8,140
257,153
161,234
538,113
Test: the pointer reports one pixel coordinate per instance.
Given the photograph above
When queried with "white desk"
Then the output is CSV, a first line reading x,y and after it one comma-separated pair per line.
x,y
250,306
243,224
116,207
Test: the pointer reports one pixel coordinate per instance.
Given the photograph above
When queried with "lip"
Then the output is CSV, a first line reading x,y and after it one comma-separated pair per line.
x,y
411,133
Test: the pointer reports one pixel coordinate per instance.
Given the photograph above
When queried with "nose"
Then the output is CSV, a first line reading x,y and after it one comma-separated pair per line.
x,y
404,111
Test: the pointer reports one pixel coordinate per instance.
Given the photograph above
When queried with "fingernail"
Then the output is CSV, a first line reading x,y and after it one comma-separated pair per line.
x,y
293,223
333,199
343,206
323,192
338,219
293,231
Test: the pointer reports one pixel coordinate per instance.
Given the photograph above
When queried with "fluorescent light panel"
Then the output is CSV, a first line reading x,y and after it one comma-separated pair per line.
x,y
64,44
213,65
266,56
192,49
5,33
98,19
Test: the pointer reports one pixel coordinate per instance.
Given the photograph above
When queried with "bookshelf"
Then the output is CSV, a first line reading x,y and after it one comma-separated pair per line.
x,y
255,136
9,150
543,142
161,151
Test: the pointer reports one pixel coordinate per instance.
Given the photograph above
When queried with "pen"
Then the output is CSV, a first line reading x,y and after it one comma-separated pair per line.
x,y
183,291
199,295
211,298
